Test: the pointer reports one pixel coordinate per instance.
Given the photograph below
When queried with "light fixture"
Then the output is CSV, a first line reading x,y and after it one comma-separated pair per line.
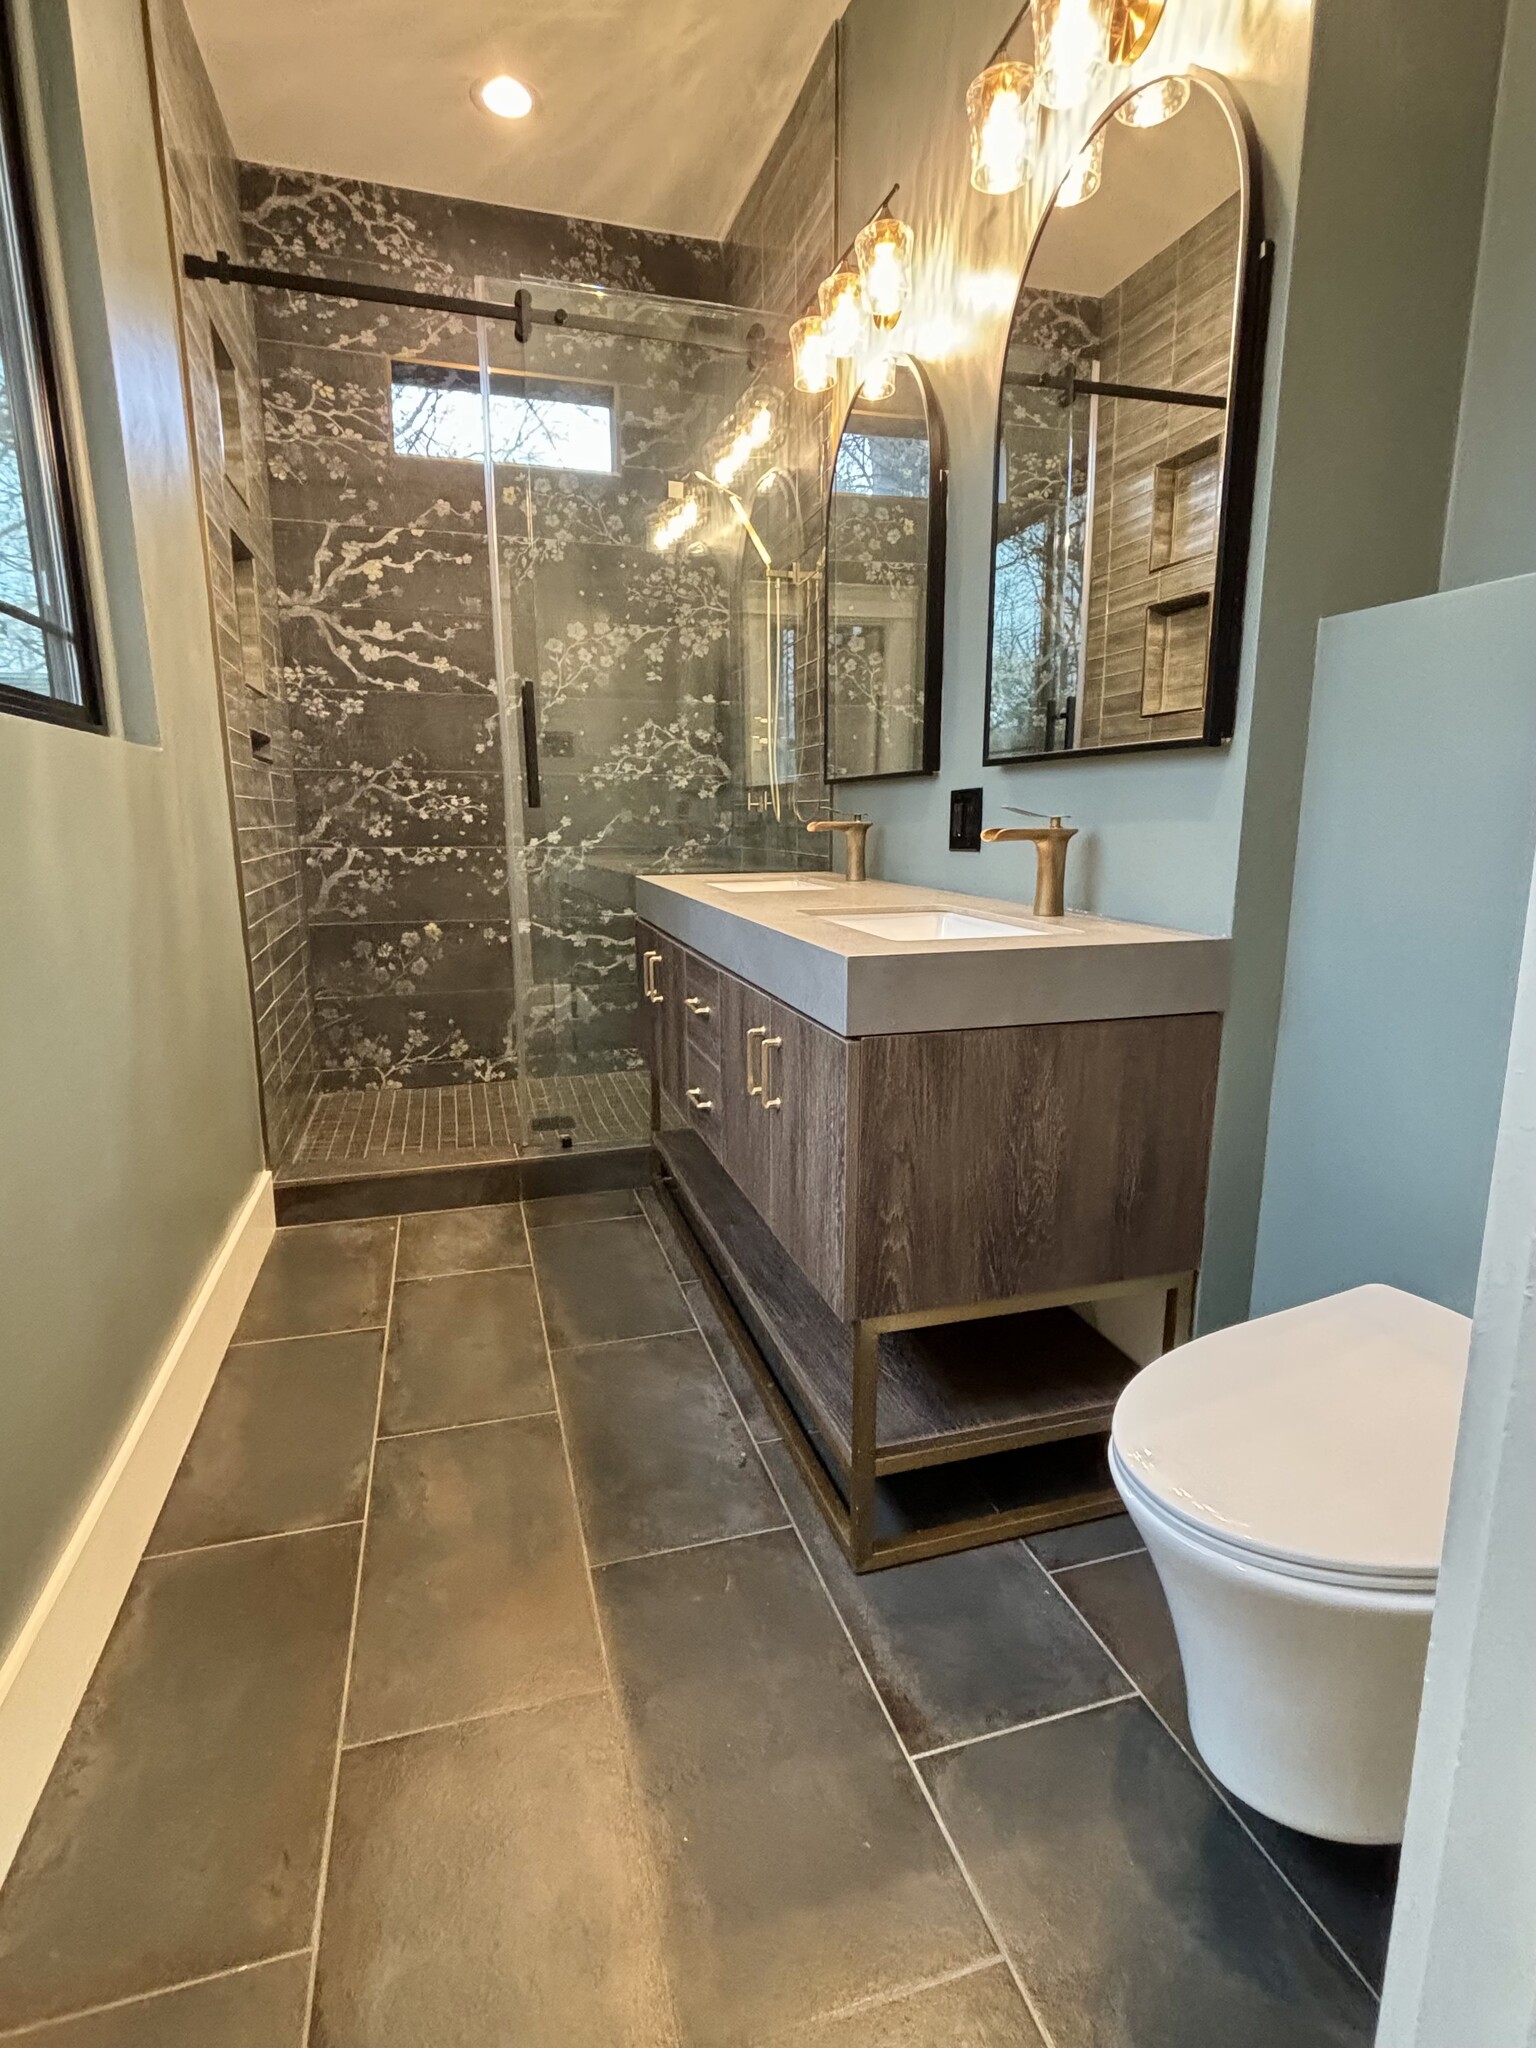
x,y
842,312
1086,174
879,381
757,433
1132,26
1001,110
680,519
815,365
1155,103
1071,49
505,96
883,249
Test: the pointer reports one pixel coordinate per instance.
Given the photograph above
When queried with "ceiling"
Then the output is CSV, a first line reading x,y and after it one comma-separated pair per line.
x,y
652,113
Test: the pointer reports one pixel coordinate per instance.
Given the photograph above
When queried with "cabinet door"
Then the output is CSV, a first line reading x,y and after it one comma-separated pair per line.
x,y
662,1015
746,1019
806,1107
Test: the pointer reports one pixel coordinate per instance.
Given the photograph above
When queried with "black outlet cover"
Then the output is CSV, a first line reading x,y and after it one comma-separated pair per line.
x,y
965,821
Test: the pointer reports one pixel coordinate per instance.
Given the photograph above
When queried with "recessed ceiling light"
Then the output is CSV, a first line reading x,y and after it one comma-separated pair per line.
x,y
505,96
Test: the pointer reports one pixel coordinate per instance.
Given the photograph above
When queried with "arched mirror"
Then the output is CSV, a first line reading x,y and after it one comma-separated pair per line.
x,y
885,584
1125,438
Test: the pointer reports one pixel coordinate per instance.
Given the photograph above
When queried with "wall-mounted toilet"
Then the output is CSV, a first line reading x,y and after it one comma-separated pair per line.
x,y
1290,1477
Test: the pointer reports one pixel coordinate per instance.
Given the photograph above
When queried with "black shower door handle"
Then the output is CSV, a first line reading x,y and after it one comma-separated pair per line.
x,y
531,744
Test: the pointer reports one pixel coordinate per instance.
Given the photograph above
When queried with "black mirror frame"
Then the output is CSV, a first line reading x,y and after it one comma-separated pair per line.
x,y
1250,321
938,560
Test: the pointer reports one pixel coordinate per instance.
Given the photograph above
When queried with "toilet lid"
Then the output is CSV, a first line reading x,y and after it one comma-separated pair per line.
x,y
1323,1435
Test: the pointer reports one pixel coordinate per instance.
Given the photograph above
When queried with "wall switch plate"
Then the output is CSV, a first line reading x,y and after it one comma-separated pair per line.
x,y
965,821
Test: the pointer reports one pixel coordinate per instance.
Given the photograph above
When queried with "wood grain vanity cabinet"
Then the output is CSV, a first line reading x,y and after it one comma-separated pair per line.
x,y
897,1221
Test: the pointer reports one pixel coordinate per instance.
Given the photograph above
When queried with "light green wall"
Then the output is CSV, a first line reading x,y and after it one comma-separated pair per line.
x,y
1374,146
1492,526
129,1126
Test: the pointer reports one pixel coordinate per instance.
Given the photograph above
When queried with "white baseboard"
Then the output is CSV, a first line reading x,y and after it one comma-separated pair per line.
x,y
47,1668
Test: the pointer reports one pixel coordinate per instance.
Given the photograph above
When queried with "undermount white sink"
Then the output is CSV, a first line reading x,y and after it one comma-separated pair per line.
x,y
754,885
938,924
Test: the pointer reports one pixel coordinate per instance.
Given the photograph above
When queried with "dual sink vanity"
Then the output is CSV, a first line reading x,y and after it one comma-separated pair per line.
x,y
923,1144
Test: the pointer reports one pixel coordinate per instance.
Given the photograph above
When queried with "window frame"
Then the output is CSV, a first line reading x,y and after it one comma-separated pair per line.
x,y
56,451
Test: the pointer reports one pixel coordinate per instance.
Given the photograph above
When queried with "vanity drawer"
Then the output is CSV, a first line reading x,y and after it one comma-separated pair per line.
x,y
701,1005
702,1100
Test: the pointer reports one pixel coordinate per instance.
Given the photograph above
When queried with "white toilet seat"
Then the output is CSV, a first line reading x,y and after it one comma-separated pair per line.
x,y
1316,1443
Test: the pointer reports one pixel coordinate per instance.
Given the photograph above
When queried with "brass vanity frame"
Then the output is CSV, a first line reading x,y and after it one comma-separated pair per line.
x,y
852,1519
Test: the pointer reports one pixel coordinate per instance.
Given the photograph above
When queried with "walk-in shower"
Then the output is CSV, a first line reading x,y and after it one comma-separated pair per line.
x,y
548,592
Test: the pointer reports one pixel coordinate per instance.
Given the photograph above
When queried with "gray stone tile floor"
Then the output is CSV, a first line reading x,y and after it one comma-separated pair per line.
x,y
492,1682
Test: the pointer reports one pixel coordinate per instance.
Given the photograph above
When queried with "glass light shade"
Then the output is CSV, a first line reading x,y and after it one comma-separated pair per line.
x,y
842,312
884,252
879,379
1071,49
815,364
1085,176
1001,111
1155,103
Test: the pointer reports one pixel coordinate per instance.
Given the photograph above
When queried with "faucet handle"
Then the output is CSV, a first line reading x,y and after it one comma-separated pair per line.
x,y
1019,811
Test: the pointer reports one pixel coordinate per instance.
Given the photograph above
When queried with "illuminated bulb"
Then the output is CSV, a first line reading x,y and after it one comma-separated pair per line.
x,y
669,530
760,429
879,379
505,96
1085,176
1071,49
1001,112
1155,103
884,252
842,312
815,367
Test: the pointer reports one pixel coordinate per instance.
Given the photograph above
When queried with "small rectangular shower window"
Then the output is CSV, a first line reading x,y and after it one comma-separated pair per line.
x,y
437,411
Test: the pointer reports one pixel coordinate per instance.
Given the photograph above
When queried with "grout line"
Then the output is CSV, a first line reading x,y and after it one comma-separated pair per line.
x,y
631,1787
265,1536
681,1549
308,1336
469,1720
879,2000
1046,2037
396,1436
86,2012
1084,1564
1220,1790
576,1222
618,1343
1018,1727
456,1272
324,1873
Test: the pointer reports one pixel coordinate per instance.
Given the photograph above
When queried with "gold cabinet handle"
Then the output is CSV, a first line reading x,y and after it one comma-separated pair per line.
x,y
700,1101
652,993
759,1032
699,1009
770,1101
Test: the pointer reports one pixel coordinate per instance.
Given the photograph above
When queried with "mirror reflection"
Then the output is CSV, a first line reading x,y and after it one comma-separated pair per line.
x,y
1122,475
885,581
772,607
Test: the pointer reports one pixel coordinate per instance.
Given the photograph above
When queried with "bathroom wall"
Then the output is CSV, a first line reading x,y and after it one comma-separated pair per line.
x,y
219,335
783,240
129,1122
1374,146
1418,830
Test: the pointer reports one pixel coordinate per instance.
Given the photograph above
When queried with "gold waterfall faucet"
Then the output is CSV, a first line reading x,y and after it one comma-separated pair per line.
x,y
857,830
1050,844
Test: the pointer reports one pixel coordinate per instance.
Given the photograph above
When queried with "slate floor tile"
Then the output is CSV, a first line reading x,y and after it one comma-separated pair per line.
x,y
283,1442
762,1425
600,1205
474,1594
660,1456
980,2010
800,1868
959,1646
489,1885
1351,1889
262,2007
1134,1907
601,1282
319,1277
180,1832
1085,1542
461,1241
467,1348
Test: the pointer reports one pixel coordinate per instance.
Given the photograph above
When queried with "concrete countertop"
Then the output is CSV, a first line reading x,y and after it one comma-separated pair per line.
x,y
788,943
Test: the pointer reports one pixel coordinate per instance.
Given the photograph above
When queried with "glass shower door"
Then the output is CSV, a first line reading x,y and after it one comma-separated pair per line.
x,y
623,731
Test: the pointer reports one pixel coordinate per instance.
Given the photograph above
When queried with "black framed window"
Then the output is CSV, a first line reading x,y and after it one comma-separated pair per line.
x,y
47,654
